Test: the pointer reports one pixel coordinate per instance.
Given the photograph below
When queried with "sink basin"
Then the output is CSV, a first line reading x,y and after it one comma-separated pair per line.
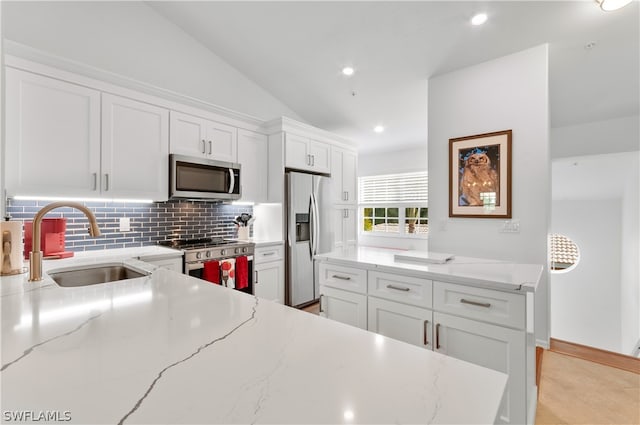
x,y
94,274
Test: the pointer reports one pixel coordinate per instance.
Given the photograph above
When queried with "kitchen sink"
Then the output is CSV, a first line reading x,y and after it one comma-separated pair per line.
x,y
94,274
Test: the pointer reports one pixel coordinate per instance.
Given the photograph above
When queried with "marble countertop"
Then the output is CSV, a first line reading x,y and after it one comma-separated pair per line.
x,y
169,348
480,272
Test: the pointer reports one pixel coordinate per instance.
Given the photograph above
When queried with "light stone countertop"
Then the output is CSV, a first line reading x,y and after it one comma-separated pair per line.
x,y
479,272
169,348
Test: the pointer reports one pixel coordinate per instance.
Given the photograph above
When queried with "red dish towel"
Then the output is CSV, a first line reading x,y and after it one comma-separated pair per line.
x,y
242,272
211,272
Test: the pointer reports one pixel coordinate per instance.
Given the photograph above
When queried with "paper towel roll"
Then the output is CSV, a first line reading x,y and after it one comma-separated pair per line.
x,y
12,247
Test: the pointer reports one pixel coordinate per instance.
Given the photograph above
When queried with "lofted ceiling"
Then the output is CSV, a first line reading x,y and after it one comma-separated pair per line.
x,y
295,50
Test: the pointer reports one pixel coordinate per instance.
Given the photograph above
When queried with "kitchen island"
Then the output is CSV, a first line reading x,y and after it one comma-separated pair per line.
x,y
169,348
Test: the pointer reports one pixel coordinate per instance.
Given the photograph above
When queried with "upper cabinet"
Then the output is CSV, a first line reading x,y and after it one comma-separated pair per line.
x,y
52,137
135,149
343,176
65,139
253,158
199,137
303,153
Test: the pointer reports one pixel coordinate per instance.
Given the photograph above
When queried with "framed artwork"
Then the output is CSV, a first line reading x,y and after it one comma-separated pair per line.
x,y
480,175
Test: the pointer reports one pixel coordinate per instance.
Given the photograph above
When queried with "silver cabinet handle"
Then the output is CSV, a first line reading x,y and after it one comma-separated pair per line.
x,y
269,253
210,149
424,332
256,282
313,160
347,195
437,336
320,302
398,288
204,146
346,213
106,182
308,159
95,181
479,304
335,276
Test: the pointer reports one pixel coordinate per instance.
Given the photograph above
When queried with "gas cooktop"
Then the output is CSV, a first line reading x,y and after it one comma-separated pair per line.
x,y
200,243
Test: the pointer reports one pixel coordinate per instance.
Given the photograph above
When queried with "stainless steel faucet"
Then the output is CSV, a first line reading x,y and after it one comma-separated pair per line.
x,y
35,257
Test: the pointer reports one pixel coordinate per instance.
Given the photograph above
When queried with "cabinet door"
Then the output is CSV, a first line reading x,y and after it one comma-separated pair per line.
x,y
344,227
297,152
337,191
343,306
491,346
320,156
135,149
221,142
52,137
252,156
349,177
400,321
269,281
188,134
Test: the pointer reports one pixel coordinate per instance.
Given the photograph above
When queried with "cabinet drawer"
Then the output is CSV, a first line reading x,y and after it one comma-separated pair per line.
x,y
268,253
340,277
409,290
478,303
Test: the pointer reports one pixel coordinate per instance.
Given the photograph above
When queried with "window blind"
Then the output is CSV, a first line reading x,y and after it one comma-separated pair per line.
x,y
392,188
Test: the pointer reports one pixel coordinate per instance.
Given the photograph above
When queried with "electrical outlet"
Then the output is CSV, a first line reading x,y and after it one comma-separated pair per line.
x,y
511,226
125,224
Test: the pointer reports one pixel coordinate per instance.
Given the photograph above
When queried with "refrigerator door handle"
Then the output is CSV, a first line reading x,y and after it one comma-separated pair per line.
x,y
311,225
316,224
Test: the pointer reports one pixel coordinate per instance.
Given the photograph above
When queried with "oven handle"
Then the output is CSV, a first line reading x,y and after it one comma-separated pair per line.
x,y
196,265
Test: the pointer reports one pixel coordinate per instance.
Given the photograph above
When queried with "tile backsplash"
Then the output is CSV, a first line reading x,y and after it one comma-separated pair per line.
x,y
149,223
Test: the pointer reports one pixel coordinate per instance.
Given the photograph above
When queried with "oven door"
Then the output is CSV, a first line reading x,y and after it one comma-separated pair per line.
x,y
198,178
196,269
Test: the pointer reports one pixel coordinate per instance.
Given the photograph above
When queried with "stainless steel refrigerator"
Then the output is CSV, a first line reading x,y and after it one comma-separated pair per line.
x,y
306,235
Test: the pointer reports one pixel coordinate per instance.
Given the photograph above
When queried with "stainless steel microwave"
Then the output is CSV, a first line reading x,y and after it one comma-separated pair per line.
x,y
200,178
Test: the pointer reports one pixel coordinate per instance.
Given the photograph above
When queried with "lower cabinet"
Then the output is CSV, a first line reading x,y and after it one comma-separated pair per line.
x,y
491,346
343,306
268,269
478,325
269,281
400,321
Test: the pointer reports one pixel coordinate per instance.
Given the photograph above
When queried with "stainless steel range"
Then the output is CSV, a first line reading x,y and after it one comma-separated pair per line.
x,y
204,258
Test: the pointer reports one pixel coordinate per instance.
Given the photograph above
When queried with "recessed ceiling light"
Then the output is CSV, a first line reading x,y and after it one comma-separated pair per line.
x,y
378,129
348,71
609,5
479,19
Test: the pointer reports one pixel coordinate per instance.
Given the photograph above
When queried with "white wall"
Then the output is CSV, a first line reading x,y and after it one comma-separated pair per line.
x,y
630,266
390,162
599,137
132,40
507,93
586,301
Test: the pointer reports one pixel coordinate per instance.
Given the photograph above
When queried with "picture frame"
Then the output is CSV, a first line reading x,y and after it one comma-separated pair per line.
x,y
480,175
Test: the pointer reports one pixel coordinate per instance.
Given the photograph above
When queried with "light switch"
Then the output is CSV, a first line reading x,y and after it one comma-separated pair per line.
x,y
125,224
511,226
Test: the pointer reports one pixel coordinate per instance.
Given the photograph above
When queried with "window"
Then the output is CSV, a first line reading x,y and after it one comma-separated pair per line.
x,y
394,204
564,253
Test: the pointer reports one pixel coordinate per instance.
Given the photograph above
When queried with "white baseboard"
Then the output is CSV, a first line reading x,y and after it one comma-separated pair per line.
x,y
543,343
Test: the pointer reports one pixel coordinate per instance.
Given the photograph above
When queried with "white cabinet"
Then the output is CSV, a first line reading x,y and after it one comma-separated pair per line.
x,y
400,321
253,157
344,226
303,153
269,273
495,347
64,139
52,137
343,306
199,137
483,326
343,176
135,149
